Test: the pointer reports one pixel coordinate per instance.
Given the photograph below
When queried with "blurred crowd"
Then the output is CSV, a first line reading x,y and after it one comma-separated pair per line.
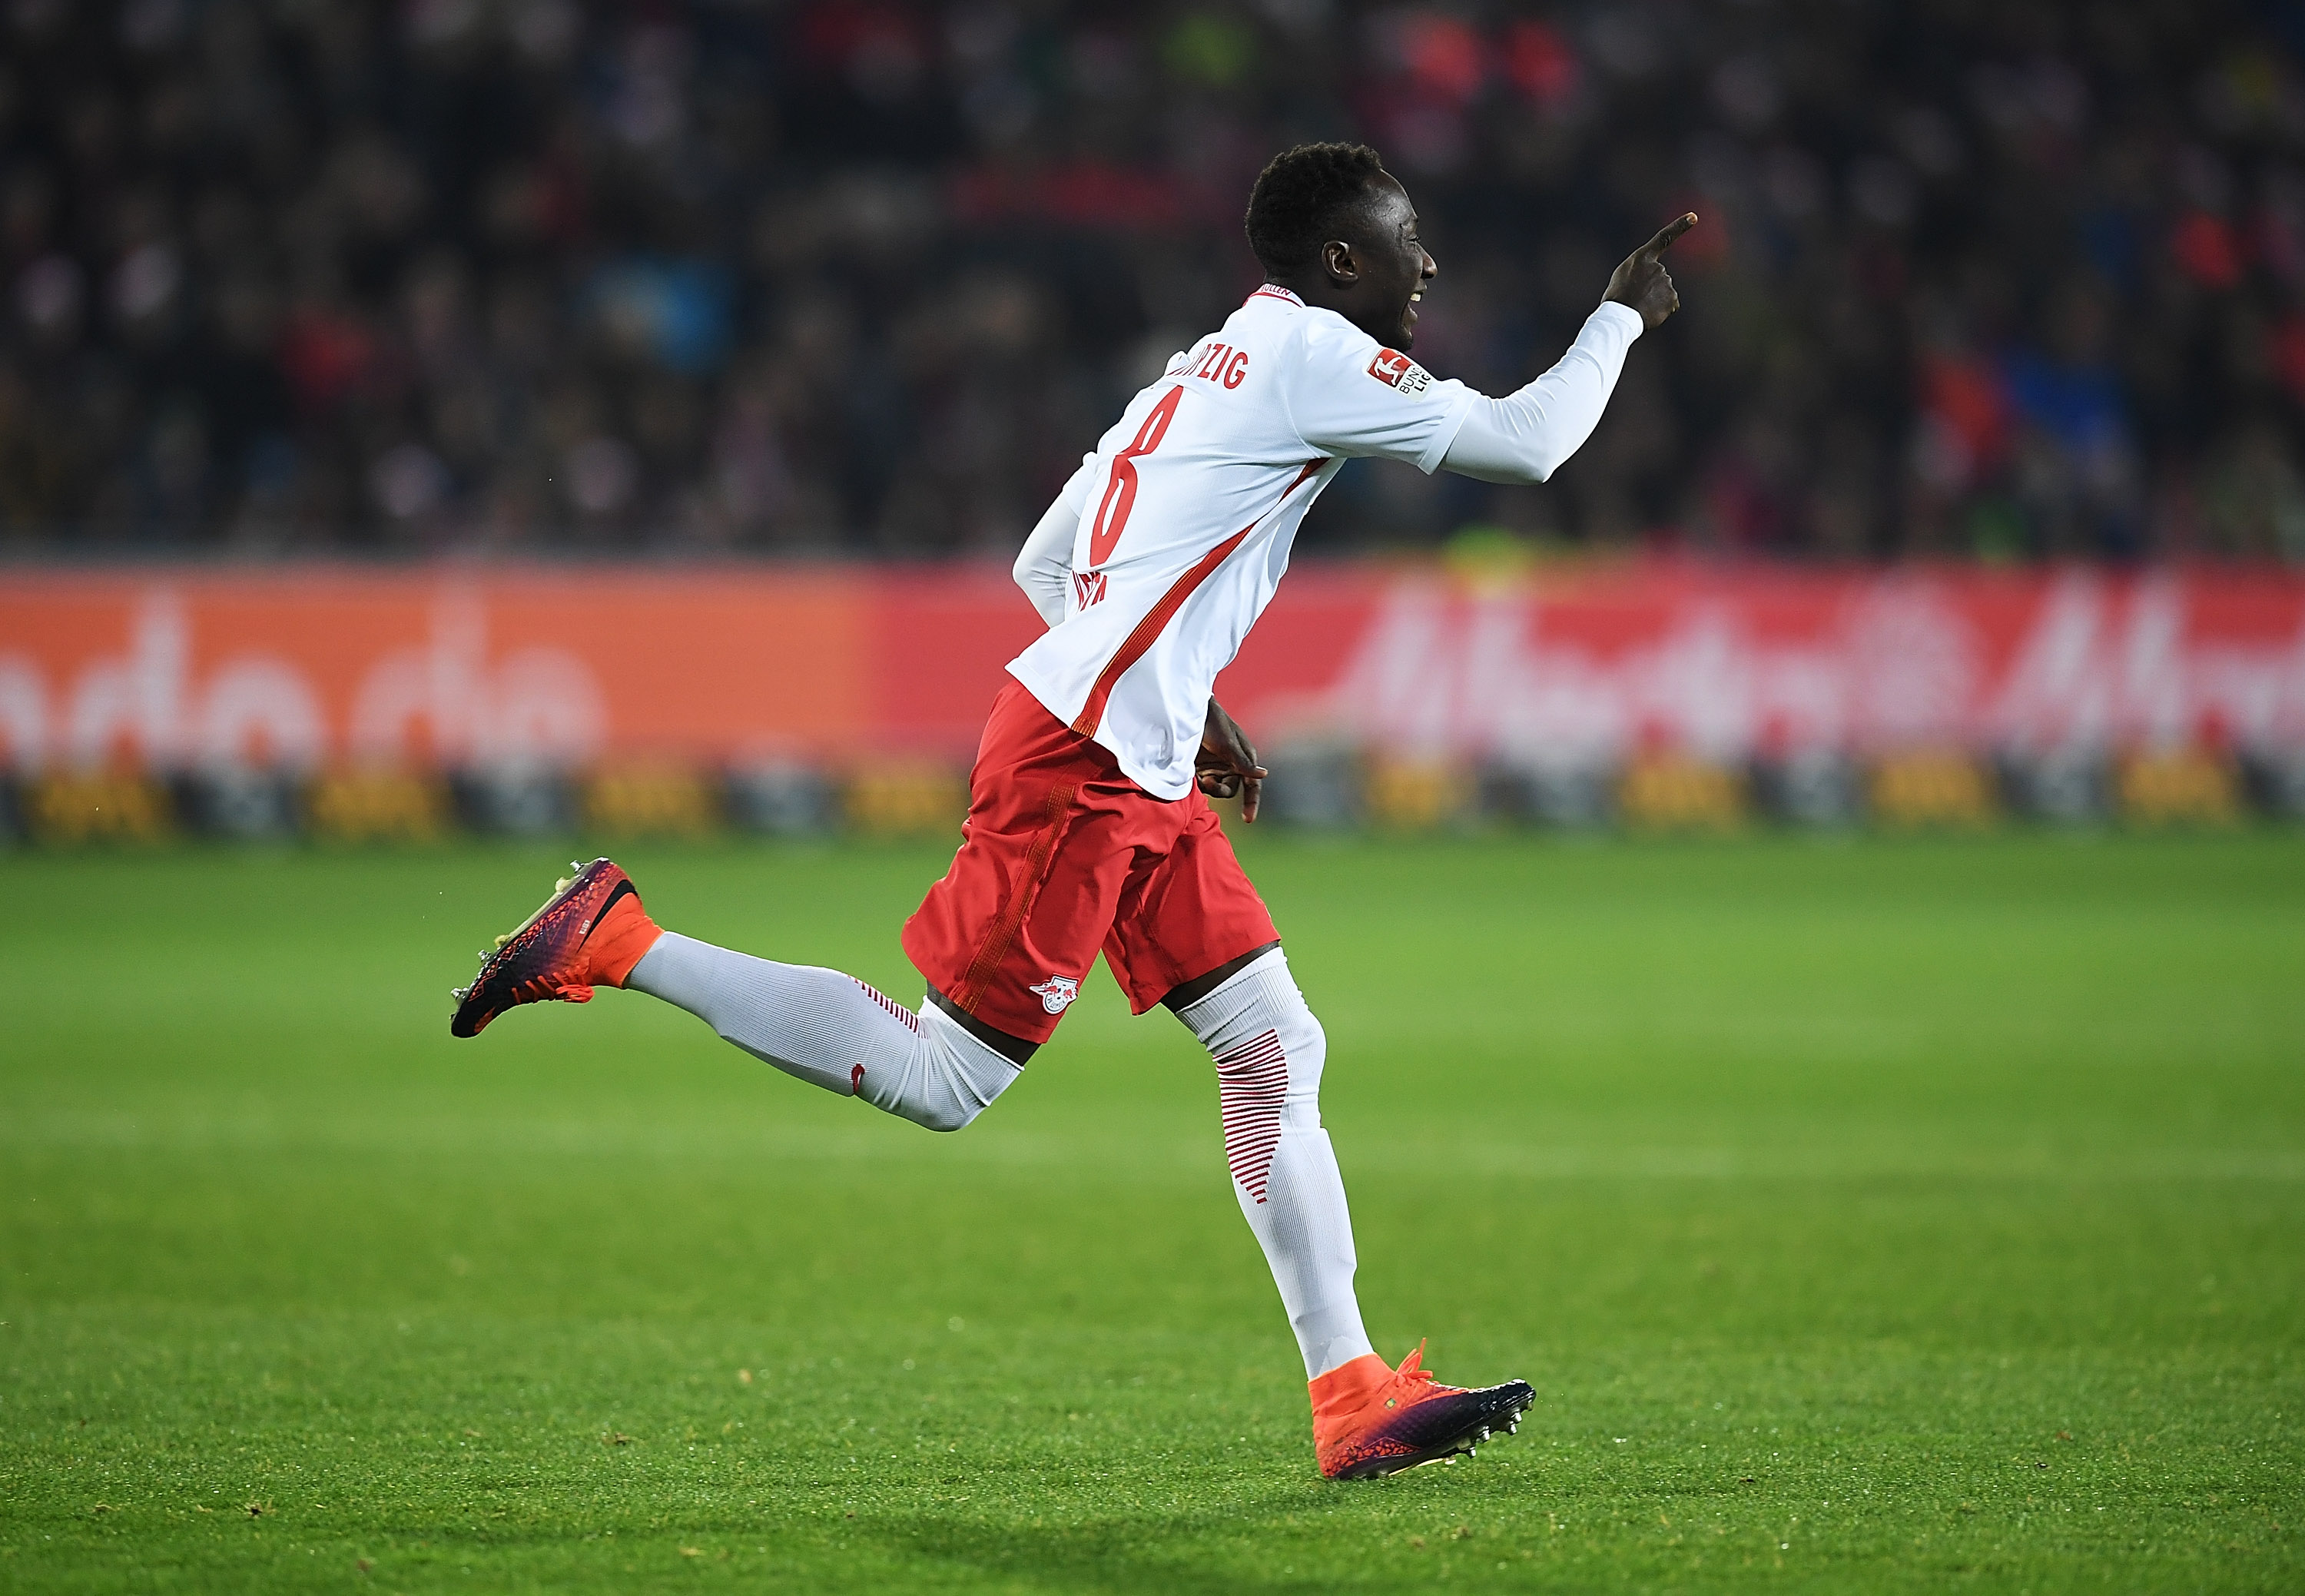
x,y
1974,278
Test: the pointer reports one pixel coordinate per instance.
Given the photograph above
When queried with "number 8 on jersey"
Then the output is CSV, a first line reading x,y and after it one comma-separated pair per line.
x,y
1120,490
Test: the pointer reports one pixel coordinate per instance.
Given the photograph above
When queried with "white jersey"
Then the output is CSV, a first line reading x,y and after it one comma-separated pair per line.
x,y
1188,507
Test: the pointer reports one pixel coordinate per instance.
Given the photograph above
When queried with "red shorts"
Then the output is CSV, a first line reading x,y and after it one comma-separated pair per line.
x,y
1061,855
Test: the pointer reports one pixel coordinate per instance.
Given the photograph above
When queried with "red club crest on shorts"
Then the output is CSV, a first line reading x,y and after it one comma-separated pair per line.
x,y
1056,993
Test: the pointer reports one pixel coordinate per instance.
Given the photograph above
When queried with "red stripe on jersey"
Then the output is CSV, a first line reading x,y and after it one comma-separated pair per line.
x,y
1156,619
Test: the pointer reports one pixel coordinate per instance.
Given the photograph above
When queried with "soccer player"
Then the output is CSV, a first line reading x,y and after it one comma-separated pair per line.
x,y
1089,826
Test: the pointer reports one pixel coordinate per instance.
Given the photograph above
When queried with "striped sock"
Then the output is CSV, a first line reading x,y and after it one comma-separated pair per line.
x,y
1269,1051
830,1030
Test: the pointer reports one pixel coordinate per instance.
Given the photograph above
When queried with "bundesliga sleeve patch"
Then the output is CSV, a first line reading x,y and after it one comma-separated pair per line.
x,y
1396,370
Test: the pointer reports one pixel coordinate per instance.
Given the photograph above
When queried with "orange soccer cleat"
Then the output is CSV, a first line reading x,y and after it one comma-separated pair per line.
x,y
590,933
1369,1419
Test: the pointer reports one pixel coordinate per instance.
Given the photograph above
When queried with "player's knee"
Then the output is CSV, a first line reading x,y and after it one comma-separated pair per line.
x,y
946,1112
953,1077
929,1100
1256,1020
1307,1044
1312,1040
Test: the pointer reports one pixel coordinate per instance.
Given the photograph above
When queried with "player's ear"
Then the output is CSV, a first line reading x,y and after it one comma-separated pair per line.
x,y
1343,265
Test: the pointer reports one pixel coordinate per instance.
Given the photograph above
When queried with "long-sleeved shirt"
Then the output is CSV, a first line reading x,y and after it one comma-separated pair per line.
x,y
1168,542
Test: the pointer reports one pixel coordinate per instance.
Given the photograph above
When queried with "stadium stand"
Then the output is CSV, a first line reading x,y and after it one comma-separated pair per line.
x,y
847,277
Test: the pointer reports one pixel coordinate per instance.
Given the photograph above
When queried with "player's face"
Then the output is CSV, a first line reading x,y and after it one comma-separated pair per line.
x,y
1396,267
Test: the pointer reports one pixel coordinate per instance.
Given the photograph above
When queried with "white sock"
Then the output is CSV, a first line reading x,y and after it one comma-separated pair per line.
x,y
1269,1051
830,1030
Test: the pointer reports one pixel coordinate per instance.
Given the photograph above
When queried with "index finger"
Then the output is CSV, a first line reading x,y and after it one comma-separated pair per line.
x,y
1666,234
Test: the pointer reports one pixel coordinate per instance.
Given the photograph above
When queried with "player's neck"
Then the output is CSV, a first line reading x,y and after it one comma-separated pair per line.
x,y
1325,296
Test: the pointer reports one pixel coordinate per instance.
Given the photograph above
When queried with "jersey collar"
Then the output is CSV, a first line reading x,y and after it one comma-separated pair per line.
x,y
1275,291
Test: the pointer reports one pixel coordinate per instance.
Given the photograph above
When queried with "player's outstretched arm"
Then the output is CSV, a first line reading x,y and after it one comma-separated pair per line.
x,y
1524,437
1044,565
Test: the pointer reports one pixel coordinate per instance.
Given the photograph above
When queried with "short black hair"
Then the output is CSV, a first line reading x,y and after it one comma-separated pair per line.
x,y
1293,209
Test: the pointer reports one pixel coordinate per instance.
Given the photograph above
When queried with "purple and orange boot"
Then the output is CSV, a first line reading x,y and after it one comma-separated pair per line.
x,y
590,933
1370,1420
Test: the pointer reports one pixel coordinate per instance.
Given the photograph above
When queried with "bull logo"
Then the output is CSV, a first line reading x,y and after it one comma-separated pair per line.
x,y
1056,993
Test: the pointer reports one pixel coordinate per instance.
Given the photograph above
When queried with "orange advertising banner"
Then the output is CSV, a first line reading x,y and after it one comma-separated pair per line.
x,y
454,666
167,667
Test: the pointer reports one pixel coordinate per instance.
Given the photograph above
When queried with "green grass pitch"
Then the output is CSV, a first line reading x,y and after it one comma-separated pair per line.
x,y
1869,1216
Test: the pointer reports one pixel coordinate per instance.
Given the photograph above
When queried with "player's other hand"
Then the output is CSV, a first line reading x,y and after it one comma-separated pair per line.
x,y
1226,765
1642,282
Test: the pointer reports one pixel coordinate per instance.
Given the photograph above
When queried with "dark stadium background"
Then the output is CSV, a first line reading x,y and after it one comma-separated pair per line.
x,y
546,277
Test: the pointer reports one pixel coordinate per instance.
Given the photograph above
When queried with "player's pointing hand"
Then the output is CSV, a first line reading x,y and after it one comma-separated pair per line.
x,y
1641,283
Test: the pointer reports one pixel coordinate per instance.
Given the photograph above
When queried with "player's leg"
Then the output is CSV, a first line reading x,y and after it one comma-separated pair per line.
x,y
1192,933
1270,1050
821,1026
831,1030
1003,941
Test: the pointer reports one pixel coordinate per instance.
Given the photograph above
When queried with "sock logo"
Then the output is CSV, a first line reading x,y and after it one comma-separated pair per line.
x,y
1056,993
